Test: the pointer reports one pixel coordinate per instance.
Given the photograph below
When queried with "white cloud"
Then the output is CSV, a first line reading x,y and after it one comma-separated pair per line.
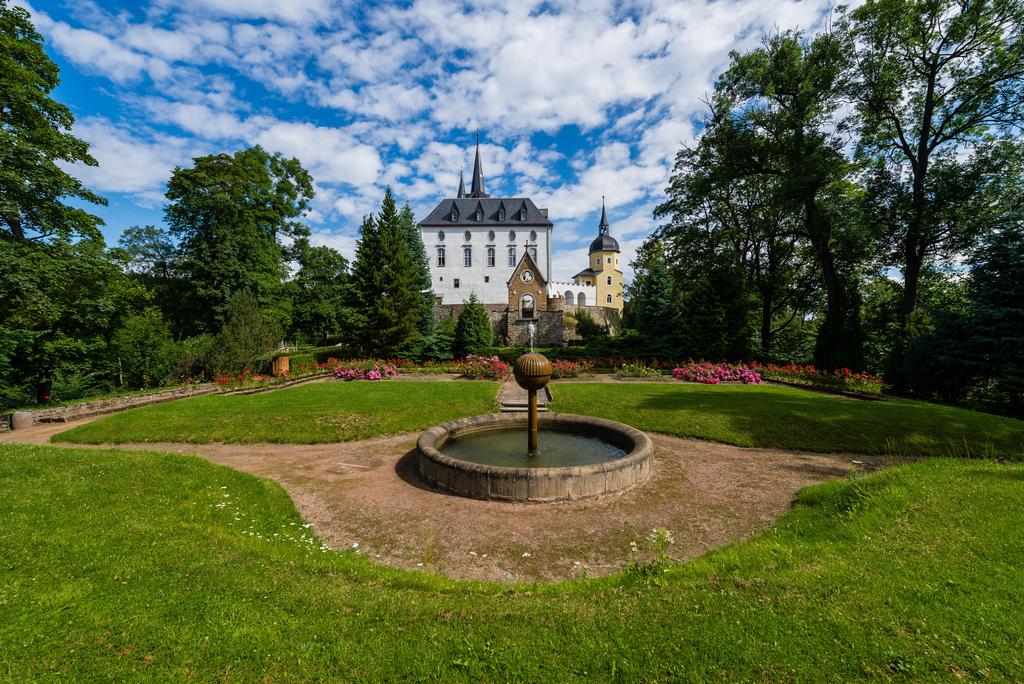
x,y
289,11
330,154
346,244
128,162
91,51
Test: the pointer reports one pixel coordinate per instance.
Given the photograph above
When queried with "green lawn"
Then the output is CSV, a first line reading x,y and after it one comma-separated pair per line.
x,y
773,416
307,414
128,565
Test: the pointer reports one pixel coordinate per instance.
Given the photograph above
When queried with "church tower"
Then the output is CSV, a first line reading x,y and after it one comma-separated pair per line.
x,y
603,270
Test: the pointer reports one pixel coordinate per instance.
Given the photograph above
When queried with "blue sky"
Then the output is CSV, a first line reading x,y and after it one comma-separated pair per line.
x,y
573,100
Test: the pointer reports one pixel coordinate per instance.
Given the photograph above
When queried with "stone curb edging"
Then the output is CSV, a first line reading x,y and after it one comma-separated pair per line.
x,y
277,386
64,414
535,485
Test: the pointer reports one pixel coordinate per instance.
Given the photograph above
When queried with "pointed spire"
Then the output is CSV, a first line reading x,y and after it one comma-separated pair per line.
x,y
462,186
477,189
603,226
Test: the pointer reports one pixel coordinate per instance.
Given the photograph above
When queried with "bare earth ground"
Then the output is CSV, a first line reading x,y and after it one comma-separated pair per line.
x,y
368,493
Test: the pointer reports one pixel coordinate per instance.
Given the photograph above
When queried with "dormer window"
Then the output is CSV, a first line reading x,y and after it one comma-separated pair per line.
x,y
479,213
501,214
522,214
455,212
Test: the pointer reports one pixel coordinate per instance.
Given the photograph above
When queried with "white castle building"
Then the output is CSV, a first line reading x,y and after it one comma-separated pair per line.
x,y
476,244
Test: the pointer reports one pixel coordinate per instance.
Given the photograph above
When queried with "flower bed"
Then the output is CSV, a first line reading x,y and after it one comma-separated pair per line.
x,y
244,379
714,373
379,371
637,369
571,369
843,380
484,368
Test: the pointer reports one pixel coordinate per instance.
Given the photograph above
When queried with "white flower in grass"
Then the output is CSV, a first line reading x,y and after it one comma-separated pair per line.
x,y
526,554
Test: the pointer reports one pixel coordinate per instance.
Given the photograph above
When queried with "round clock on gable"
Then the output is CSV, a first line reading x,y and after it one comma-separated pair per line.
x,y
527,276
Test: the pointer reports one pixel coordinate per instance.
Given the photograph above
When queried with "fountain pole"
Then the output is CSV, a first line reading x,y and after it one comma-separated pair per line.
x,y
532,372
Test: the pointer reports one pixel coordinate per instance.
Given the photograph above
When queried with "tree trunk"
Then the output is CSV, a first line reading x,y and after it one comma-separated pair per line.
x,y
14,221
913,252
767,302
833,347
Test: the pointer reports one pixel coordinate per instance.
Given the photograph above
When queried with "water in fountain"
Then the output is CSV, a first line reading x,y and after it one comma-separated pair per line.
x,y
508,448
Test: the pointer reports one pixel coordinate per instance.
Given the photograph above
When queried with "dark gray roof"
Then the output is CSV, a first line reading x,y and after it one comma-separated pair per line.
x,y
603,242
477,187
585,272
492,210
462,187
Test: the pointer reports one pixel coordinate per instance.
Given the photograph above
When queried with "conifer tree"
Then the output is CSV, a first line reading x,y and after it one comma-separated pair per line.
x,y
422,267
473,329
387,284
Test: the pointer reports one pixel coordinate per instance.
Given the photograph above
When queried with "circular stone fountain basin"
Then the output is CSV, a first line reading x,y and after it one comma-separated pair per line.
x,y
485,457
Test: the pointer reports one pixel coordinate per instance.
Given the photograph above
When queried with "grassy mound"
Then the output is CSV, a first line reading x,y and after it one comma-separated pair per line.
x,y
118,565
316,413
782,417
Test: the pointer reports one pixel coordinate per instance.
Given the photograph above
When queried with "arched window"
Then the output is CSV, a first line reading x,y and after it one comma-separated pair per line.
x,y
609,280
568,297
608,298
440,256
581,299
533,236
533,252
511,236
467,236
467,256
526,306
490,256
511,256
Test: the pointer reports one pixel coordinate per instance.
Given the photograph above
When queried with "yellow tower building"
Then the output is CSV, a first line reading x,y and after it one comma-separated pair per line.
x,y
603,270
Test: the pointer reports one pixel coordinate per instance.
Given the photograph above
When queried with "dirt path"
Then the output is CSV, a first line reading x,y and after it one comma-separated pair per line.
x,y
367,493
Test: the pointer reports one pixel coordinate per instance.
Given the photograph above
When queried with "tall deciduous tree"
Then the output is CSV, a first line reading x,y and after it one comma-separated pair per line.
x,y
773,114
229,213
59,304
933,77
34,138
321,294
653,302
715,217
